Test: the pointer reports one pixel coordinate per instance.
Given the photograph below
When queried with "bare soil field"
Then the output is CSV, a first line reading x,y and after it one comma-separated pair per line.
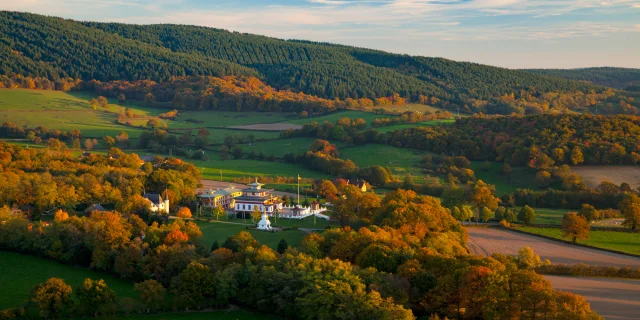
x,y
268,126
611,298
486,241
594,175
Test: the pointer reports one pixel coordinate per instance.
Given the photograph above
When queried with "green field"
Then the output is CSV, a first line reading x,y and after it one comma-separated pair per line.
x,y
20,273
416,107
212,231
621,241
548,216
400,161
214,118
521,177
279,147
250,168
413,125
207,315
59,110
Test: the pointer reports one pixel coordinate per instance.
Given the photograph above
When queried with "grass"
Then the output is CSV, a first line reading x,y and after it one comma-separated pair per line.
x,y
521,177
416,107
208,315
548,216
621,241
59,110
214,118
414,125
20,273
400,161
251,168
279,147
217,231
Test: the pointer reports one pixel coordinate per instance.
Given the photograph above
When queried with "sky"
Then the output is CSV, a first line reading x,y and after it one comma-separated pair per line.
x,y
506,33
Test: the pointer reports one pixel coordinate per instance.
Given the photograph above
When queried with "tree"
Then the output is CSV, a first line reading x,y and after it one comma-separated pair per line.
x,y
195,286
52,297
184,213
576,156
54,144
121,99
327,189
589,212
151,293
102,102
217,212
527,259
215,246
256,214
94,103
510,216
237,153
282,246
500,213
486,214
526,215
506,170
95,295
630,209
575,226
240,242
483,197
543,179
90,143
109,141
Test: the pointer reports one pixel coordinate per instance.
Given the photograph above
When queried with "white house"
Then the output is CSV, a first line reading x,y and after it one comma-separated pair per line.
x,y
156,203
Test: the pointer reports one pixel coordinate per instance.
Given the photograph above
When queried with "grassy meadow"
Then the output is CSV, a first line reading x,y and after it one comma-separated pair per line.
x,y
20,273
220,231
333,117
217,119
251,168
414,125
521,177
621,241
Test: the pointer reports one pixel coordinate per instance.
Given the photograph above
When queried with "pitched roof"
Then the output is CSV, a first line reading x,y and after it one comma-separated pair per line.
x,y
95,207
153,197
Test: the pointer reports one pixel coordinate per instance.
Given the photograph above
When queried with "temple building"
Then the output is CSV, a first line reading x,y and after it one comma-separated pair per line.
x,y
224,198
255,196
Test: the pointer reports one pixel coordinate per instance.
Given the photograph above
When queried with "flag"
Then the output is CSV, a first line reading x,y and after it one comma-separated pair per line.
x,y
298,177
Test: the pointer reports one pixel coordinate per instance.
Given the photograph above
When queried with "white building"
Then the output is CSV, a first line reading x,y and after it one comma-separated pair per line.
x,y
256,197
156,203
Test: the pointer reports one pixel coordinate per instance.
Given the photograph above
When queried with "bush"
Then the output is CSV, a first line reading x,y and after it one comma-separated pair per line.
x,y
583,270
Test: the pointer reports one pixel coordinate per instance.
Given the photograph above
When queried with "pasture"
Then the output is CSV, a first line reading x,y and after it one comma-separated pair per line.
x,y
620,241
521,177
220,231
415,107
219,119
279,147
59,110
210,169
400,161
414,125
594,175
20,273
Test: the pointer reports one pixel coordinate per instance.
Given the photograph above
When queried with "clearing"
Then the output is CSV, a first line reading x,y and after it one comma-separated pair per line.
x,y
594,175
19,273
333,117
521,177
268,127
220,231
487,241
210,169
620,241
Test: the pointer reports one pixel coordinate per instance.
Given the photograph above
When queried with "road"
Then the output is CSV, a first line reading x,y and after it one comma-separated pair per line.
x,y
611,298
486,241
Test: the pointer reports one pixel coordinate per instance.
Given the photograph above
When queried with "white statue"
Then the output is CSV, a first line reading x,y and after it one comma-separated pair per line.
x,y
264,223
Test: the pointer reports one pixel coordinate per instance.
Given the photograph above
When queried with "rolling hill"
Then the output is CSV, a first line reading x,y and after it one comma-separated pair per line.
x,y
41,46
605,76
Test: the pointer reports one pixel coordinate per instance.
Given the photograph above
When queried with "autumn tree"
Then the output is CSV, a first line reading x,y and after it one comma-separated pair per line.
x,y
589,212
102,102
94,296
109,141
630,209
121,99
195,286
53,297
151,293
574,226
576,156
486,214
526,215
500,213
527,259
184,213
482,196
240,242
326,189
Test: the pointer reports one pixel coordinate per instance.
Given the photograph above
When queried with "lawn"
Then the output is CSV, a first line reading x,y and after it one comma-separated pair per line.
x,y
59,110
548,216
208,315
212,231
521,177
399,160
251,168
621,241
416,107
20,273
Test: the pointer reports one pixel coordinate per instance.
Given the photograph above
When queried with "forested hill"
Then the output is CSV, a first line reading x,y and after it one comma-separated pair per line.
x,y
606,76
35,45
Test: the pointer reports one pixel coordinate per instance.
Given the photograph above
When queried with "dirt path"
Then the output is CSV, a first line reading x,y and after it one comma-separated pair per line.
x,y
486,241
611,298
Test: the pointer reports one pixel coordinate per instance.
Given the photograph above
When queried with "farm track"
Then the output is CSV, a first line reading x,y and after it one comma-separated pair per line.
x,y
611,298
486,241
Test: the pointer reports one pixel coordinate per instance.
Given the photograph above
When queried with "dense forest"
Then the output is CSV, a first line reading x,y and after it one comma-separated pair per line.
x,y
620,78
53,48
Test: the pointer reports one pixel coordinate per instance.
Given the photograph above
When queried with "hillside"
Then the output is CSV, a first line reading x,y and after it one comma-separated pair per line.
x,y
34,45
606,76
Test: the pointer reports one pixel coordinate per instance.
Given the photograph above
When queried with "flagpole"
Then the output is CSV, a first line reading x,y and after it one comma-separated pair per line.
x,y
298,190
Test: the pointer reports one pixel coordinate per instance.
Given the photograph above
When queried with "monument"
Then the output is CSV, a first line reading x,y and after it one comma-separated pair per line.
x,y
264,223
